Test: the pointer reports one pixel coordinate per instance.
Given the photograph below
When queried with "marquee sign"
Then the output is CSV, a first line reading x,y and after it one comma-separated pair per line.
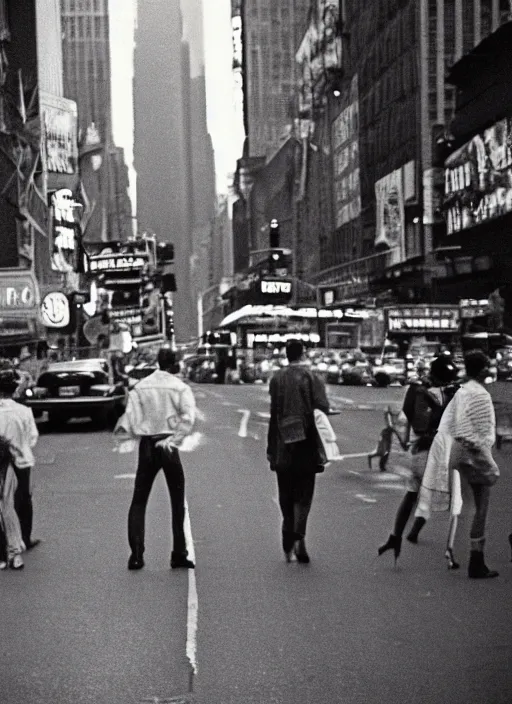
x,y
478,179
18,292
117,257
423,319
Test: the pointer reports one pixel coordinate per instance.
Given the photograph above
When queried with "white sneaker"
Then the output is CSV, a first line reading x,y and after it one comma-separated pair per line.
x,y
3,565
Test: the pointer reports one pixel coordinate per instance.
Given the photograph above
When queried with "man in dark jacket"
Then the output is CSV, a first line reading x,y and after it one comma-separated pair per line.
x,y
293,449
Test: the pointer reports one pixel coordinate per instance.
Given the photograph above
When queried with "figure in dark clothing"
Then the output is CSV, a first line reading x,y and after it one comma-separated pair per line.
x,y
293,449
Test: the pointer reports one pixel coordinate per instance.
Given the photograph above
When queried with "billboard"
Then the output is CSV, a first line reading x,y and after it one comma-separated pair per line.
x,y
390,230
345,141
59,134
117,257
422,320
478,179
64,232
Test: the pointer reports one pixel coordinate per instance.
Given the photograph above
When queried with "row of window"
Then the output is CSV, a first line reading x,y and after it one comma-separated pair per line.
x,y
76,28
83,5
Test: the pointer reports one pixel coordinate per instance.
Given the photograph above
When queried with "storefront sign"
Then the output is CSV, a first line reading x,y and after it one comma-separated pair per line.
x,y
13,327
472,308
345,139
389,196
18,293
55,312
478,179
275,286
117,262
59,127
422,320
64,249
116,257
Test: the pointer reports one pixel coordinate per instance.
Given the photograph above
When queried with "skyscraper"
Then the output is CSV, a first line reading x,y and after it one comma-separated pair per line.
x,y
87,80
162,143
270,33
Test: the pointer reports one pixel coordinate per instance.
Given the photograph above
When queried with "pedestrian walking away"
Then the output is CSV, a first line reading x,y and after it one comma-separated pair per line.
x,y
423,408
11,545
464,441
18,427
160,413
293,448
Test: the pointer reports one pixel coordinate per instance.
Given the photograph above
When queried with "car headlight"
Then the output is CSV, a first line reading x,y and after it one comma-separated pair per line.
x,y
29,393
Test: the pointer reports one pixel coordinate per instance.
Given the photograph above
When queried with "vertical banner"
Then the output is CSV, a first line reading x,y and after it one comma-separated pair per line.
x,y
390,229
345,140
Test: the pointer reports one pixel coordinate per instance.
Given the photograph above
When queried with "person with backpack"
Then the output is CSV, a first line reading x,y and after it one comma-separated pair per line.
x,y
294,451
423,408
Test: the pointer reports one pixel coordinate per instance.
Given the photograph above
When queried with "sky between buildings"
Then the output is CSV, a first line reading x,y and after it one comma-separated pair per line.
x,y
207,28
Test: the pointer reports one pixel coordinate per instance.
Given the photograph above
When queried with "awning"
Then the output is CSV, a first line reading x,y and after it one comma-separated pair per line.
x,y
257,311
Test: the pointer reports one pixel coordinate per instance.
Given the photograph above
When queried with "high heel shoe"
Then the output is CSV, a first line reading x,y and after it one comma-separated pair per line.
x,y
16,563
393,543
452,564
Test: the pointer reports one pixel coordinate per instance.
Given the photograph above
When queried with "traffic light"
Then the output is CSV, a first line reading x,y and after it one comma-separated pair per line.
x,y
274,234
165,253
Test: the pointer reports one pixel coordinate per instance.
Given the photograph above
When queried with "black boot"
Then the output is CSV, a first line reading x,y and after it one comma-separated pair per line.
x,y
393,543
415,530
136,560
477,569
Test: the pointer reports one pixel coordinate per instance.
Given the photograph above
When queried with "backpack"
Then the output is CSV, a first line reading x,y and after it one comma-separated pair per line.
x,y
423,410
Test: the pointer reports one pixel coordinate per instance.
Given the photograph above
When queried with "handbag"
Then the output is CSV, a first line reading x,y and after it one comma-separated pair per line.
x,y
477,465
326,435
291,429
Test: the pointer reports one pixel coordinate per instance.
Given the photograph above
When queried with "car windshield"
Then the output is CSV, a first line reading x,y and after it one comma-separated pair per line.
x,y
78,366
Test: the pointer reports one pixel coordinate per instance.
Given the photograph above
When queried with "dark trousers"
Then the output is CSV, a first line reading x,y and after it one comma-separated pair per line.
x,y
296,491
151,460
23,503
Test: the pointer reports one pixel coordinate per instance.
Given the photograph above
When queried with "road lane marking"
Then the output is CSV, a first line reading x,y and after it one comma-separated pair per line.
x,y
192,602
242,431
261,414
350,456
366,499
124,476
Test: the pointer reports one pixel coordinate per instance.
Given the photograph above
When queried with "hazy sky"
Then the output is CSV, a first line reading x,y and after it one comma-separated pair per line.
x,y
211,37
225,129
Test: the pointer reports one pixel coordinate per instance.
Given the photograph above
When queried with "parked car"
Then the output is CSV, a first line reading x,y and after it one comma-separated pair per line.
x,y
356,372
389,370
504,364
77,389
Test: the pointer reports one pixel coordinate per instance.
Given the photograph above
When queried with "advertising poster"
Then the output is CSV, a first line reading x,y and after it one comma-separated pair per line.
x,y
64,240
345,141
478,179
390,230
59,126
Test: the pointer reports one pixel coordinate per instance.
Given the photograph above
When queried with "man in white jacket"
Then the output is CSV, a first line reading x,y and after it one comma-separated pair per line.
x,y
160,412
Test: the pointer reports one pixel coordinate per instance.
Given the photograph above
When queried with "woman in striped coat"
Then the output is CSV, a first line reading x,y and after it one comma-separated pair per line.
x,y
463,442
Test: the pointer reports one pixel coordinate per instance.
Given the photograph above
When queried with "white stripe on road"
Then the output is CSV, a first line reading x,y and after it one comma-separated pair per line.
x,y
351,456
366,499
263,415
192,600
124,476
242,431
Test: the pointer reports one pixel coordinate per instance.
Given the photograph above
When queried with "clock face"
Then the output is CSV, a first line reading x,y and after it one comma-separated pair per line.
x,y
55,310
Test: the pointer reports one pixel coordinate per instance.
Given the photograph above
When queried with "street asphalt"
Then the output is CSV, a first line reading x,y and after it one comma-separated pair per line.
x,y
350,628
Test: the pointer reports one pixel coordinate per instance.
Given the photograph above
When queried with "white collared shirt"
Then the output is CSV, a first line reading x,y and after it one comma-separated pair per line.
x,y
18,427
